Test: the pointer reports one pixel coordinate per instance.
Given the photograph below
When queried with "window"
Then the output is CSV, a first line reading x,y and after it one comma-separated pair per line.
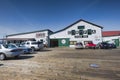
x,y
73,42
89,31
73,32
81,27
23,43
41,40
11,46
28,43
34,43
93,31
80,32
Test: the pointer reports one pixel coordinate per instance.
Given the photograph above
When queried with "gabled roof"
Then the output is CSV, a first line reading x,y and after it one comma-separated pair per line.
x,y
76,23
110,33
30,32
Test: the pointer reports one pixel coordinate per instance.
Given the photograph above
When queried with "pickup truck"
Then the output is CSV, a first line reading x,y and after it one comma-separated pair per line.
x,y
33,45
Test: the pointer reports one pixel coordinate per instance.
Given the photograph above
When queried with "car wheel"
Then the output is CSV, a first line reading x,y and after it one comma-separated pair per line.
x,y
2,56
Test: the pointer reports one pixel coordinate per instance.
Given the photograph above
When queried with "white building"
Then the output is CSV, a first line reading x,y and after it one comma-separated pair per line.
x,y
80,31
112,36
41,35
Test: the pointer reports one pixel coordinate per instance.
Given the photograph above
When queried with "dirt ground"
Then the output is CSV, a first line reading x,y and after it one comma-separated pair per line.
x,y
63,64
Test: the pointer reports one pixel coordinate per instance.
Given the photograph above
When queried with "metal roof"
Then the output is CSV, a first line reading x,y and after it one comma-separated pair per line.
x,y
29,32
110,33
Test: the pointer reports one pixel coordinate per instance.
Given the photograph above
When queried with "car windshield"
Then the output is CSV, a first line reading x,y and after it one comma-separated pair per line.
x,y
22,44
104,43
78,43
34,43
10,46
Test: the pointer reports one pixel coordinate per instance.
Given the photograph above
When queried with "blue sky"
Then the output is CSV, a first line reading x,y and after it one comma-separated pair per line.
x,y
17,16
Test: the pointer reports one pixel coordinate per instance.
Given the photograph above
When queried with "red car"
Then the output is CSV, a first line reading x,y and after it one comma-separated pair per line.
x,y
90,45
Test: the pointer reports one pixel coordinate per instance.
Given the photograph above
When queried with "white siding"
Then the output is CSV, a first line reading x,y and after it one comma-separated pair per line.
x,y
110,38
32,35
97,37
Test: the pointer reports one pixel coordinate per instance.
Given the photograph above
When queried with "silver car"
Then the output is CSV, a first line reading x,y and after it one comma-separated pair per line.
x,y
9,51
25,49
79,45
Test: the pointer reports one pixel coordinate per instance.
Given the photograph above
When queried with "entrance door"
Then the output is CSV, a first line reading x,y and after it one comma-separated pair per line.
x,y
117,42
54,43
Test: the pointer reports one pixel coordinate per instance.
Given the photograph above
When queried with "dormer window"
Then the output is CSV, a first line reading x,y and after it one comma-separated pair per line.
x,y
81,27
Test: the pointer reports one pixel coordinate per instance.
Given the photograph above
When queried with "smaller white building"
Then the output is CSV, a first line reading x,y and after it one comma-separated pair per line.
x,y
112,36
40,35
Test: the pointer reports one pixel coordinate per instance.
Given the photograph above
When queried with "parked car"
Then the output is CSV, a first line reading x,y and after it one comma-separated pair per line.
x,y
33,45
9,51
79,45
103,45
112,45
90,45
25,49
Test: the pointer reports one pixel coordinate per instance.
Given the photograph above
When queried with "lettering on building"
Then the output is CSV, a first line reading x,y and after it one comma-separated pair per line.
x,y
40,35
81,32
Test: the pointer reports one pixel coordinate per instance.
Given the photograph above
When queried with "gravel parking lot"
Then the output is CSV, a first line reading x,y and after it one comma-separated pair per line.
x,y
63,64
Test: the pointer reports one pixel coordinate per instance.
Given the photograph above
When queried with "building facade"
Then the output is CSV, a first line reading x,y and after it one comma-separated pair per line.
x,y
112,36
80,31
41,35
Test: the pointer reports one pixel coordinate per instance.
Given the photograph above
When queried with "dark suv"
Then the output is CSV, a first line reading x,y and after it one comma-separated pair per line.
x,y
103,45
112,45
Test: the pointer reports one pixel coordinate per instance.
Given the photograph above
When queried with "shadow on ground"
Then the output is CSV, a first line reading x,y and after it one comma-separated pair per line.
x,y
1,64
21,57
45,50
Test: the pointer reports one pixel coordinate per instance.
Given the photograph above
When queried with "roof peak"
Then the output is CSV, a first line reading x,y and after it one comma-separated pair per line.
x,y
76,23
